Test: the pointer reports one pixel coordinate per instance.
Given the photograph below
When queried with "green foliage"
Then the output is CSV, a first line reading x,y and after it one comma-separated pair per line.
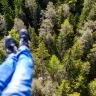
x,y
18,24
65,38
63,89
83,16
8,14
88,11
92,13
49,89
71,67
2,25
92,59
75,94
2,51
86,36
50,13
62,13
50,43
46,27
18,7
34,39
31,5
77,51
73,19
72,4
37,87
75,71
54,67
41,59
92,88
14,35
2,55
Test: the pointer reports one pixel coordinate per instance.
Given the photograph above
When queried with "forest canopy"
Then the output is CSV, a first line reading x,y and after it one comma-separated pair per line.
x,y
63,34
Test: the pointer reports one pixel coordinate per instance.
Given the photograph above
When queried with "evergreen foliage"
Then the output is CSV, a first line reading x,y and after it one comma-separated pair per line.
x,y
63,89
2,25
54,67
62,42
8,14
92,86
32,10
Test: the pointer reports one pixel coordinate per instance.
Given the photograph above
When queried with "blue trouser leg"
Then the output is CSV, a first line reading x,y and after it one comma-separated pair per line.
x,y
20,84
6,71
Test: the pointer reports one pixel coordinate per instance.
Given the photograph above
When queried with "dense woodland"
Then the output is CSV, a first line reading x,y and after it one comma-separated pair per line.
x,y
63,43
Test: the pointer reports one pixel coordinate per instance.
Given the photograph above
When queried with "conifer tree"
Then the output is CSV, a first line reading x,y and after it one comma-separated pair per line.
x,y
46,27
18,7
50,13
48,23
62,13
46,31
19,11
75,71
2,25
49,88
32,11
92,88
46,34
87,11
18,24
34,39
14,35
92,60
8,14
63,89
65,38
54,67
41,59
86,38
92,13
2,51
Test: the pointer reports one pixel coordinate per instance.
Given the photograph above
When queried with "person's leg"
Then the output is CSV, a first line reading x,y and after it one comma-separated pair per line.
x,y
20,84
8,66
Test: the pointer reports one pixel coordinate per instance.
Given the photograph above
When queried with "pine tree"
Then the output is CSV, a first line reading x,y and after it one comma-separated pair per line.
x,y
64,88
49,88
86,38
87,11
18,24
2,25
2,50
62,13
50,13
32,12
14,35
77,52
92,13
75,71
48,23
92,87
18,7
34,39
92,60
46,27
54,67
65,38
41,60
8,14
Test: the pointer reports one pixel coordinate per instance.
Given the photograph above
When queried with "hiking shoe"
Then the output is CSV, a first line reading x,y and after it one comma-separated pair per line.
x,y
24,37
10,45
